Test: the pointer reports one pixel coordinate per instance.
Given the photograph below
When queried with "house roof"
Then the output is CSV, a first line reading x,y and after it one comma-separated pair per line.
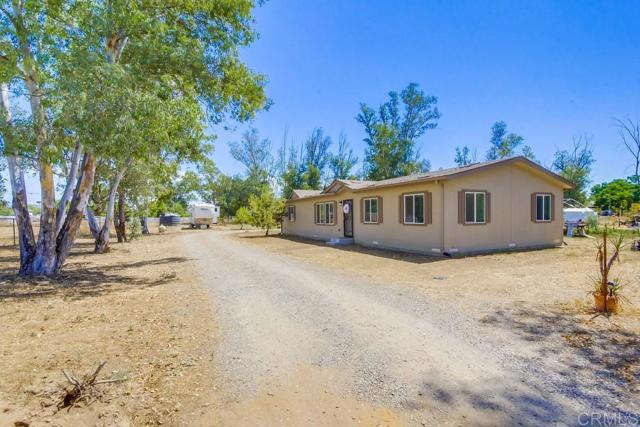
x,y
301,194
441,174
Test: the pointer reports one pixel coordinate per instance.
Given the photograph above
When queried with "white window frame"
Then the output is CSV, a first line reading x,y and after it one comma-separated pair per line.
x,y
291,210
364,207
324,215
404,208
544,196
475,203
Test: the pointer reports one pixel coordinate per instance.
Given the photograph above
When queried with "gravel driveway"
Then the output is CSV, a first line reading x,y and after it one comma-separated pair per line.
x,y
304,345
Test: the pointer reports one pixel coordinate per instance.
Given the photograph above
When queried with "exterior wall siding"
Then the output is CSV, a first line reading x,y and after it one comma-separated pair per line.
x,y
305,226
511,226
510,187
391,233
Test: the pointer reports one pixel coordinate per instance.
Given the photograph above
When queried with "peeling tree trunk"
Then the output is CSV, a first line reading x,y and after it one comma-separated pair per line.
x,y
21,212
102,241
93,222
67,235
145,225
120,220
43,262
71,184
114,45
18,188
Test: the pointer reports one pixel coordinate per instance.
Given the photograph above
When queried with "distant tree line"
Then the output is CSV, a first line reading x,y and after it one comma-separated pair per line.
x,y
392,133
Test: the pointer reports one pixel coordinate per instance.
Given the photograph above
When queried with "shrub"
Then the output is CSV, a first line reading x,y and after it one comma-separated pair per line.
x,y
242,217
266,210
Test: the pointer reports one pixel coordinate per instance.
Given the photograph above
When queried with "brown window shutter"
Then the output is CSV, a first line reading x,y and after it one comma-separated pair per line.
x,y
487,206
380,210
315,213
362,211
400,209
460,207
335,213
427,207
533,207
553,207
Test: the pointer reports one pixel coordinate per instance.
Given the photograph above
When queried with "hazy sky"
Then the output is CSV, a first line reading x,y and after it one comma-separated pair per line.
x,y
550,69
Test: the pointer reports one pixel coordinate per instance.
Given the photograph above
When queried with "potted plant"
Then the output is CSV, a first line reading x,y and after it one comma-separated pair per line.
x,y
610,304
607,293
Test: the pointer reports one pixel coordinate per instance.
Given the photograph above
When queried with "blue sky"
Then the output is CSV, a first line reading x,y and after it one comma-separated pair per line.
x,y
550,69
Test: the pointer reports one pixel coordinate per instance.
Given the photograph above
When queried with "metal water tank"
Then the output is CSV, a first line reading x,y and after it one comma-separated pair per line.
x,y
170,220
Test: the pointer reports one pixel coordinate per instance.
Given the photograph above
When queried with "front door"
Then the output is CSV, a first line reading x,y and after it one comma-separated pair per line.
x,y
347,216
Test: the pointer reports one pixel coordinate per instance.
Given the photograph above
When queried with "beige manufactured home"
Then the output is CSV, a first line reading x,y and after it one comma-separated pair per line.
x,y
505,204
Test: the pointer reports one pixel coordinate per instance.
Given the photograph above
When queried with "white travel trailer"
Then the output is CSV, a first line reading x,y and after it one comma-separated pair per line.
x,y
203,214
576,212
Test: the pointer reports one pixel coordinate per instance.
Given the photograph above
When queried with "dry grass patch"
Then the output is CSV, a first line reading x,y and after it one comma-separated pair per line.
x,y
139,308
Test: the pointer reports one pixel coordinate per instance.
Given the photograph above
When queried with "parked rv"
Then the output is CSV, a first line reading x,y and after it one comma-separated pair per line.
x,y
203,214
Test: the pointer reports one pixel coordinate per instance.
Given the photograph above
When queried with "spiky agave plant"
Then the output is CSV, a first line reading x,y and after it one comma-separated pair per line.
x,y
608,252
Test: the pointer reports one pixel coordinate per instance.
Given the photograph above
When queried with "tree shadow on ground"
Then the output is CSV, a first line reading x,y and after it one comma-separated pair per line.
x,y
413,258
492,404
78,281
589,358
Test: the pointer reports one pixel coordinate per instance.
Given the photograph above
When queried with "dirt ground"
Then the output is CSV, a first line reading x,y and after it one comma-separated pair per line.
x,y
185,318
518,297
139,308
557,278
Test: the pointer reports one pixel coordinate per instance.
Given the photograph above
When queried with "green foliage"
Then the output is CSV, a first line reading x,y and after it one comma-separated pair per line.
x,y
135,228
592,225
575,165
35,209
292,170
231,193
618,194
342,162
3,181
527,152
503,145
6,210
311,165
255,155
316,158
242,217
266,210
392,133
464,156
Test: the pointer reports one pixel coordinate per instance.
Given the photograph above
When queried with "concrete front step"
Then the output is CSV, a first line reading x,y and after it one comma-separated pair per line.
x,y
340,241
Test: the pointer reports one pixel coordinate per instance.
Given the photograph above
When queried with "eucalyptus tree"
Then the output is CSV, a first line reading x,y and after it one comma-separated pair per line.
x,y
343,161
316,158
630,135
88,67
503,144
575,165
292,169
392,132
465,156
255,155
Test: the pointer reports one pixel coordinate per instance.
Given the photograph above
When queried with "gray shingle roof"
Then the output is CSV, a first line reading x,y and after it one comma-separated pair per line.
x,y
306,193
429,176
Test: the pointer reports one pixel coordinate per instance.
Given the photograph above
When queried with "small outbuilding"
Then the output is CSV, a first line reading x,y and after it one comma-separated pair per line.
x,y
503,204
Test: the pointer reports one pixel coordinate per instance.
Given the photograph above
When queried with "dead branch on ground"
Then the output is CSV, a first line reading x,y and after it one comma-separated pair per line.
x,y
83,389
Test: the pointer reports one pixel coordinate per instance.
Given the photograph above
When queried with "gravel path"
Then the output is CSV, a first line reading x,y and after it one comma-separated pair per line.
x,y
293,334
